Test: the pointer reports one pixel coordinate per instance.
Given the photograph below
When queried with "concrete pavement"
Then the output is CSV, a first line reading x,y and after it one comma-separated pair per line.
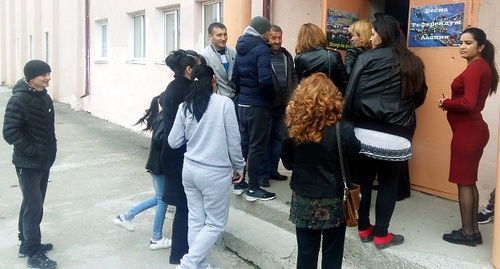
x,y
99,172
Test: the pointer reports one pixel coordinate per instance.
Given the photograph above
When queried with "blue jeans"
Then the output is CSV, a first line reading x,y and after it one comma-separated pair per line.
x,y
161,207
271,158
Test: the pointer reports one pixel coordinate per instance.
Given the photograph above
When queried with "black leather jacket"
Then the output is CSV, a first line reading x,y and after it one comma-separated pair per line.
x,y
321,60
316,166
373,97
351,55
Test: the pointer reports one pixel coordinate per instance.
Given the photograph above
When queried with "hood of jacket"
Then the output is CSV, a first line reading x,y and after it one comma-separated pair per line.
x,y
23,86
248,40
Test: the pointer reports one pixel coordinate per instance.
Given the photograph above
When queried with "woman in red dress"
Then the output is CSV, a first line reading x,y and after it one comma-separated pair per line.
x,y
470,132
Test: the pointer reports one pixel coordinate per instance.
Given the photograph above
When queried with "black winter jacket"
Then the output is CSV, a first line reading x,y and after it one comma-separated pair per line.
x,y
252,74
316,166
373,98
321,60
29,126
282,96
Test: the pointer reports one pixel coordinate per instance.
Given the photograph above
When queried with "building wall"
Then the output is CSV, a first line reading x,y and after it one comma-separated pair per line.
x,y
120,89
488,10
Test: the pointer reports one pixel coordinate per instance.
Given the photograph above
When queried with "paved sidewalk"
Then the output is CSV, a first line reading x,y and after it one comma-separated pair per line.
x,y
99,173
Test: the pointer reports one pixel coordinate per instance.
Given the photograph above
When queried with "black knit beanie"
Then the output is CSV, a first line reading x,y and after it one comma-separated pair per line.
x,y
35,68
260,24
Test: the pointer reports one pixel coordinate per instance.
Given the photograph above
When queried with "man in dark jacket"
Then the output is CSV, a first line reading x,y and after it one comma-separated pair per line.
x,y
284,82
252,76
29,127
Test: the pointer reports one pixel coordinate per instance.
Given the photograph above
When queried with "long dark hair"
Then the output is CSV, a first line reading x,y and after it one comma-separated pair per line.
x,y
411,66
201,89
150,114
178,60
488,53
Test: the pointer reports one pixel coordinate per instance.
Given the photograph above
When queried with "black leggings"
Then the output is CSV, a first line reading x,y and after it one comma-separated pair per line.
x,y
308,242
387,174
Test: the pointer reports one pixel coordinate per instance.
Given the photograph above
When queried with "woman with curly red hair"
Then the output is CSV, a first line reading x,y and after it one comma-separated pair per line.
x,y
311,151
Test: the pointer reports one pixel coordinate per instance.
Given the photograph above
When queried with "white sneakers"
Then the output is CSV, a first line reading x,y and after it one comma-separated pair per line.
x,y
160,244
121,222
125,224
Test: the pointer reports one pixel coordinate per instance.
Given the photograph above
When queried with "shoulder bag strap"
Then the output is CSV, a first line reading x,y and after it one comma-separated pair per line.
x,y
341,157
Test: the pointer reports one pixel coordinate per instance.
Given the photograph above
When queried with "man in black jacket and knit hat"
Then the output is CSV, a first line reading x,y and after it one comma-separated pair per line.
x,y
29,127
252,76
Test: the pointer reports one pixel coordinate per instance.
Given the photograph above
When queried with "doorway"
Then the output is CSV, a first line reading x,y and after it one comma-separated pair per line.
x,y
399,9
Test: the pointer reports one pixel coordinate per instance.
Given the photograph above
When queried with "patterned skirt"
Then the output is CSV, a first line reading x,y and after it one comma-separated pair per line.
x,y
315,213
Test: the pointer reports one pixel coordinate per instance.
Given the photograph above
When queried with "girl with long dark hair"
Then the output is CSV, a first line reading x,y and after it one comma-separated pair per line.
x,y
469,92
387,84
206,124
182,63
153,120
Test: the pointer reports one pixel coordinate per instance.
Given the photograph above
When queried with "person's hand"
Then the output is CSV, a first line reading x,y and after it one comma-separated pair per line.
x,y
237,177
441,101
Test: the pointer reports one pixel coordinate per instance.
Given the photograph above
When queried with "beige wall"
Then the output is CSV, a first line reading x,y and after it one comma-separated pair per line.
x,y
488,12
121,90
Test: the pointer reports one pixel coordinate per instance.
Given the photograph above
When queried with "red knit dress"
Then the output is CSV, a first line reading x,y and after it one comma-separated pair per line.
x,y
470,132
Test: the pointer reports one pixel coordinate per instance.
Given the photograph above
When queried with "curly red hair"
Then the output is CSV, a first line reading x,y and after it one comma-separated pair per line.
x,y
314,105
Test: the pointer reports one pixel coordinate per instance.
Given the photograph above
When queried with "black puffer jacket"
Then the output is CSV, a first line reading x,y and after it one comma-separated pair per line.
x,y
373,99
29,126
252,73
321,60
316,166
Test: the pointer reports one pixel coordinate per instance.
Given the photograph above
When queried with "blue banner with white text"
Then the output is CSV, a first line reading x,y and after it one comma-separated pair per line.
x,y
436,26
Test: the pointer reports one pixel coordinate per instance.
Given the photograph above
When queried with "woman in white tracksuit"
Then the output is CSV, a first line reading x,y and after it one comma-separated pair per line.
x,y
207,123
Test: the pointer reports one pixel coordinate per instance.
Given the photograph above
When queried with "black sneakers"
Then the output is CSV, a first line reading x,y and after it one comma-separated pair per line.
x,y
259,194
485,216
40,261
240,188
22,249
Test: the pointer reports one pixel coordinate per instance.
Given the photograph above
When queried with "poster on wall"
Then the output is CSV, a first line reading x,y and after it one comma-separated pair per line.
x,y
337,28
436,26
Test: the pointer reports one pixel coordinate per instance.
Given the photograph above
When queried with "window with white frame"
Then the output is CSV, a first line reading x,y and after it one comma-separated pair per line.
x,y
103,39
171,33
212,12
139,35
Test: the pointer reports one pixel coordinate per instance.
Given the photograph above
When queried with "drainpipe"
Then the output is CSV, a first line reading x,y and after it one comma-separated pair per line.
x,y
87,49
495,259
266,10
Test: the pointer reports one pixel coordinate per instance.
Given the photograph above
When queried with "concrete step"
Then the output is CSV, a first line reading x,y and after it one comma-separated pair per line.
x,y
261,233
263,243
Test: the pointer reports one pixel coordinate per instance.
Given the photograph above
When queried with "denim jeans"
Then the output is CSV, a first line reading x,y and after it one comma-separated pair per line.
x,y
33,185
271,158
161,207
